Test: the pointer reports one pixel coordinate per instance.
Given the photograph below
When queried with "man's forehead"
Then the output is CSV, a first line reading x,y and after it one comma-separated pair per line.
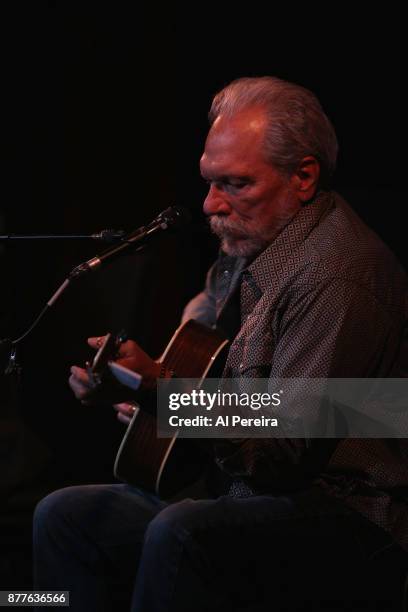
x,y
234,139
248,124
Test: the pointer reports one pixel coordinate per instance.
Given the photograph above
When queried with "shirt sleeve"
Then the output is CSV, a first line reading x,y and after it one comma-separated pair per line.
x,y
202,307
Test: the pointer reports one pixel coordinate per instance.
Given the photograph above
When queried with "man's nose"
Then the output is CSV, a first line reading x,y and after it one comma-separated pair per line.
x,y
215,203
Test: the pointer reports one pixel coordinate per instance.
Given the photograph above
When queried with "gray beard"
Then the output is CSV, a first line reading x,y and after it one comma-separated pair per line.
x,y
239,239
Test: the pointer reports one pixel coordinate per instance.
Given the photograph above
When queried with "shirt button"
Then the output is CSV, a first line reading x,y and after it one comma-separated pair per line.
x,y
241,366
226,272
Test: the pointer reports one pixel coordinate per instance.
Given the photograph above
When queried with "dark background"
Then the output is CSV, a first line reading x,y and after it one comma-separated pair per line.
x,y
105,118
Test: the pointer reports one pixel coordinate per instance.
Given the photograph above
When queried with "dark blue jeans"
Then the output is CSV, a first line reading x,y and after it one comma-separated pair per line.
x,y
114,547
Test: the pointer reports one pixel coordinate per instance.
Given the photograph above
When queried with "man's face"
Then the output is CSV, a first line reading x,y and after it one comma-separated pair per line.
x,y
249,201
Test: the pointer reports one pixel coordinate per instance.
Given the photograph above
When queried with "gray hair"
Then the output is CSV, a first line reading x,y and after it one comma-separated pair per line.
x,y
297,124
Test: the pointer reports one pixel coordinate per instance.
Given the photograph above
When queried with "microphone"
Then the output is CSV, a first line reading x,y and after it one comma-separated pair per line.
x,y
174,217
109,235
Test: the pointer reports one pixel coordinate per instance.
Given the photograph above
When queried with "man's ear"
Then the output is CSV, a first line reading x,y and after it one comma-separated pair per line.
x,y
306,178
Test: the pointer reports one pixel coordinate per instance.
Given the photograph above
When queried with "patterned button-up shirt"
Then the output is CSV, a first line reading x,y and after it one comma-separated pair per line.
x,y
327,299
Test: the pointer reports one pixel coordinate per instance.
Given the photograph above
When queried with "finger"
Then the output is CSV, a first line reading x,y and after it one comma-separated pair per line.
x,y
96,341
80,390
123,419
125,408
80,375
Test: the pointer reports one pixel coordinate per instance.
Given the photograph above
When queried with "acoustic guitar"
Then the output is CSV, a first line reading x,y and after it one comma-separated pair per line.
x,y
164,466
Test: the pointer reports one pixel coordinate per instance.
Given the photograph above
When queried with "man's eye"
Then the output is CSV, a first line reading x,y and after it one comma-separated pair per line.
x,y
237,185
227,185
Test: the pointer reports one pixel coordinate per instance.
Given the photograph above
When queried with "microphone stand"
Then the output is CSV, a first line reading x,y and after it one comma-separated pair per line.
x,y
24,453
171,217
135,241
107,235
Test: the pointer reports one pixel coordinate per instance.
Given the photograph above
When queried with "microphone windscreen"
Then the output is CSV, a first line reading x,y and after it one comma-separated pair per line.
x,y
176,216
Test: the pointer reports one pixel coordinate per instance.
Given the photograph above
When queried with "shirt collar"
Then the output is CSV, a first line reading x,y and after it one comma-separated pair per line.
x,y
272,263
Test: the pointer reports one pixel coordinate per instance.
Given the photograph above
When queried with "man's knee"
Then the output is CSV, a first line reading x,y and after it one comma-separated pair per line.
x,y
49,510
54,510
176,522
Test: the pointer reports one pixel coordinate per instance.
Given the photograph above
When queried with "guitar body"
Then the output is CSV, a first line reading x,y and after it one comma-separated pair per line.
x,y
164,466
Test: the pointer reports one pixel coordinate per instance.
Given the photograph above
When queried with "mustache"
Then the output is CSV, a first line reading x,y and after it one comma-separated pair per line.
x,y
222,226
